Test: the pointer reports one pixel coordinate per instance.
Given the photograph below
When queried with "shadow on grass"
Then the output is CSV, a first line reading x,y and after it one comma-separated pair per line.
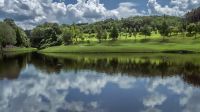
x,y
164,41
145,40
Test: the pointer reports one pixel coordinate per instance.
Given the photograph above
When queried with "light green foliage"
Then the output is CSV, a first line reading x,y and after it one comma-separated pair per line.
x,y
77,33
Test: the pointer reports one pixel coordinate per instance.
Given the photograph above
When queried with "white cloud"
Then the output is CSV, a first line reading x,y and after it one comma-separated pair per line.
x,y
175,7
152,110
39,91
188,95
28,13
154,100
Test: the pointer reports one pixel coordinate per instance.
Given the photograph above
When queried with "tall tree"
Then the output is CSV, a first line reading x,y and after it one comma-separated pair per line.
x,y
18,38
114,33
10,22
164,29
7,35
67,36
146,30
192,28
99,34
105,34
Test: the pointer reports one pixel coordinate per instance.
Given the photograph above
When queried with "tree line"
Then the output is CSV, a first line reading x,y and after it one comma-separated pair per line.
x,y
53,34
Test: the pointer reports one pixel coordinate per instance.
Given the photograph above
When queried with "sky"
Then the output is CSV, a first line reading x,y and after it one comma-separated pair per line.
x,y
29,13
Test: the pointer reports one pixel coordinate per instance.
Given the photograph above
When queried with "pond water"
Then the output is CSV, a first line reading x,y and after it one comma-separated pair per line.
x,y
99,83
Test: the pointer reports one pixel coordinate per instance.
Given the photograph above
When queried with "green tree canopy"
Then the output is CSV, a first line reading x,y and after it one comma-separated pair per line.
x,y
146,30
7,35
164,29
114,34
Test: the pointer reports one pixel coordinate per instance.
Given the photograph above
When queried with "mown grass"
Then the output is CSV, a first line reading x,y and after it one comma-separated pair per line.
x,y
140,44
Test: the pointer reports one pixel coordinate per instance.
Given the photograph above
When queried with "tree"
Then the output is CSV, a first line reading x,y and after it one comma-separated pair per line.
x,y
174,30
114,33
146,31
18,38
198,27
10,22
191,28
77,32
193,15
99,35
45,35
21,37
105,35
7,35
134,33
164,29
68,36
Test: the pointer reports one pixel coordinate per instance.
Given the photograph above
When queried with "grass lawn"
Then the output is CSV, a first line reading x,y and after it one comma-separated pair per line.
x,y
125,44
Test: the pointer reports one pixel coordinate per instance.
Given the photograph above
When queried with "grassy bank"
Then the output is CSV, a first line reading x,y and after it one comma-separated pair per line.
x,y
152,44
19,50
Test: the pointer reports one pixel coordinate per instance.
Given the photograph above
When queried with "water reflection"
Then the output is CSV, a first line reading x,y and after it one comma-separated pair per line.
x,y
48,84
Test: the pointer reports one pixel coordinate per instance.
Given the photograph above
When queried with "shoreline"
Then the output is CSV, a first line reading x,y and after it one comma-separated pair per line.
x,y
116,49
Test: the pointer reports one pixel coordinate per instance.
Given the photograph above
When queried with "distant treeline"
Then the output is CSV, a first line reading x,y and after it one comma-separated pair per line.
x,y
53,34
194,15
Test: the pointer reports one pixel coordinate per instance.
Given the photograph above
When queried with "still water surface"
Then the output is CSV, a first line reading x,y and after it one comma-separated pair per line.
x,y
99,83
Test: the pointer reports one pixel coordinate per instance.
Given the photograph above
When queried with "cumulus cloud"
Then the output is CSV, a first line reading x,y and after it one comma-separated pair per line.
x,y
188,95
39,91
174,8
29,13
154,100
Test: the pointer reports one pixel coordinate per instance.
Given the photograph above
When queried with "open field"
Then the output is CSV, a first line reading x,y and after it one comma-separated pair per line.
x,y
140,44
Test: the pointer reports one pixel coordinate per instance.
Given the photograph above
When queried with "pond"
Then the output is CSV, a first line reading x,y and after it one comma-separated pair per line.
x,y
99,83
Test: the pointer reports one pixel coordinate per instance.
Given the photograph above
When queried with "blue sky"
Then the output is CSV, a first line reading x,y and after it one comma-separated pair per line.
x,y
29,13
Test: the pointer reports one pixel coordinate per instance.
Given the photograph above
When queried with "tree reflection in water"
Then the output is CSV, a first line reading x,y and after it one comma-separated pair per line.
x,y
85,84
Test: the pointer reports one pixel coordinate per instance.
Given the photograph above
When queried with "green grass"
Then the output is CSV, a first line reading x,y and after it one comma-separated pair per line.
x,y
19,50
152,44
